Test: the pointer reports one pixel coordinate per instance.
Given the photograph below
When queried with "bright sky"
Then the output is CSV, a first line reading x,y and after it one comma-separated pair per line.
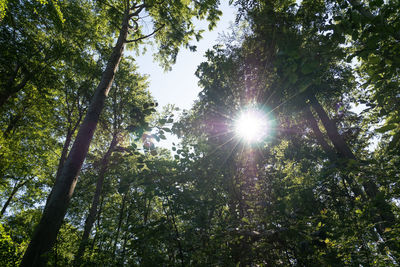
x,y
179,86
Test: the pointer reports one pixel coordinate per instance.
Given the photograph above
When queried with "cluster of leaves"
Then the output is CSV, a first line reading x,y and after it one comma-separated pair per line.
x,y
313,193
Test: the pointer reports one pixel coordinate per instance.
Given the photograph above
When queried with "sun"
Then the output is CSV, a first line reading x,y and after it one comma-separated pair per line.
x,y
251,126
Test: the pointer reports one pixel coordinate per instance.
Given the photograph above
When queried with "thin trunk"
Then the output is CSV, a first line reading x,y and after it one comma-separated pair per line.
x,y
385,218
12,125
318,134
64,152
125,238
95,201
98,224
17,186
68,139
177,235
53,215
120,218
328,150
338,142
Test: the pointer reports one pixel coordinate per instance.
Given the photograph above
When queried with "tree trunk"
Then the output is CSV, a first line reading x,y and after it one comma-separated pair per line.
x,y
329,151
64,152
68,139
332,131
46,232
121,261
177,235
120,218
13,192
385,218
318,134
95,202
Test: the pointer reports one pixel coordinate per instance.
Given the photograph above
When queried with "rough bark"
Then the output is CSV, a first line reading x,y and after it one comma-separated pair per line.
x,y
46,232
91,218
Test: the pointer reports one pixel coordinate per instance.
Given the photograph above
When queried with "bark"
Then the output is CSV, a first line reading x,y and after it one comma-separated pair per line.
x,y
46,232
68,139
98,224
64,152
91,218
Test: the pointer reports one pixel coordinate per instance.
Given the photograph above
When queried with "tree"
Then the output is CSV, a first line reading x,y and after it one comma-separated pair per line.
x,y
128,111
166,18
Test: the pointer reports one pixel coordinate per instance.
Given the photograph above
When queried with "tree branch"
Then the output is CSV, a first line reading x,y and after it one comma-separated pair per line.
x,y
139,9
146,36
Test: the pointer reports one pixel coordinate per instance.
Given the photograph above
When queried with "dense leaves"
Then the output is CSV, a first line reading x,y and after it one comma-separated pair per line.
x,y
320,188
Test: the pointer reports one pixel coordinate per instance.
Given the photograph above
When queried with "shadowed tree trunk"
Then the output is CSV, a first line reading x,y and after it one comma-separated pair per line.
x,y
46,232
318,134
96,198
177,238
384,217
332,155
16,187
68,139
120,218
337,140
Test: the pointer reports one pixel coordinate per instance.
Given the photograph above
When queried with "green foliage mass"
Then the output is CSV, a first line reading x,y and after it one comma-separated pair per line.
x,y
321,189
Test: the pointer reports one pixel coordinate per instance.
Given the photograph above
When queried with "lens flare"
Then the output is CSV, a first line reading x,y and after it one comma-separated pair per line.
x,y
251,126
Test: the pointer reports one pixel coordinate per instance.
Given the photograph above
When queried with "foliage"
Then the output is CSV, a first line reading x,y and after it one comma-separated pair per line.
x,y
321,189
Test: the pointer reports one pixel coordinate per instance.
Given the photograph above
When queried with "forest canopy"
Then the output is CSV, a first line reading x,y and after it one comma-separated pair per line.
x,y
288,157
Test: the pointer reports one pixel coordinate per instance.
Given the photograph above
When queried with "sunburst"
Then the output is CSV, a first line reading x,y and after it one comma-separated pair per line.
x,y
251,126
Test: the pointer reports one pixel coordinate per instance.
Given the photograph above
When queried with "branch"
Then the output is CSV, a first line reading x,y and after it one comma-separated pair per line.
x,y
146,36
139,9
136,24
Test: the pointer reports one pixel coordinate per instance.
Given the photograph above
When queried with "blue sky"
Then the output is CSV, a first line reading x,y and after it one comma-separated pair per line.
x,y
179,86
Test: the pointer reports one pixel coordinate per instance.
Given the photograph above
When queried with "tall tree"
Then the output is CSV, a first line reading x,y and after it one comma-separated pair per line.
x,y
171,21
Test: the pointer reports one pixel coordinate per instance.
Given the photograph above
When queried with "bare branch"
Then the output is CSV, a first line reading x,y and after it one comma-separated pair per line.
x,y
146,36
